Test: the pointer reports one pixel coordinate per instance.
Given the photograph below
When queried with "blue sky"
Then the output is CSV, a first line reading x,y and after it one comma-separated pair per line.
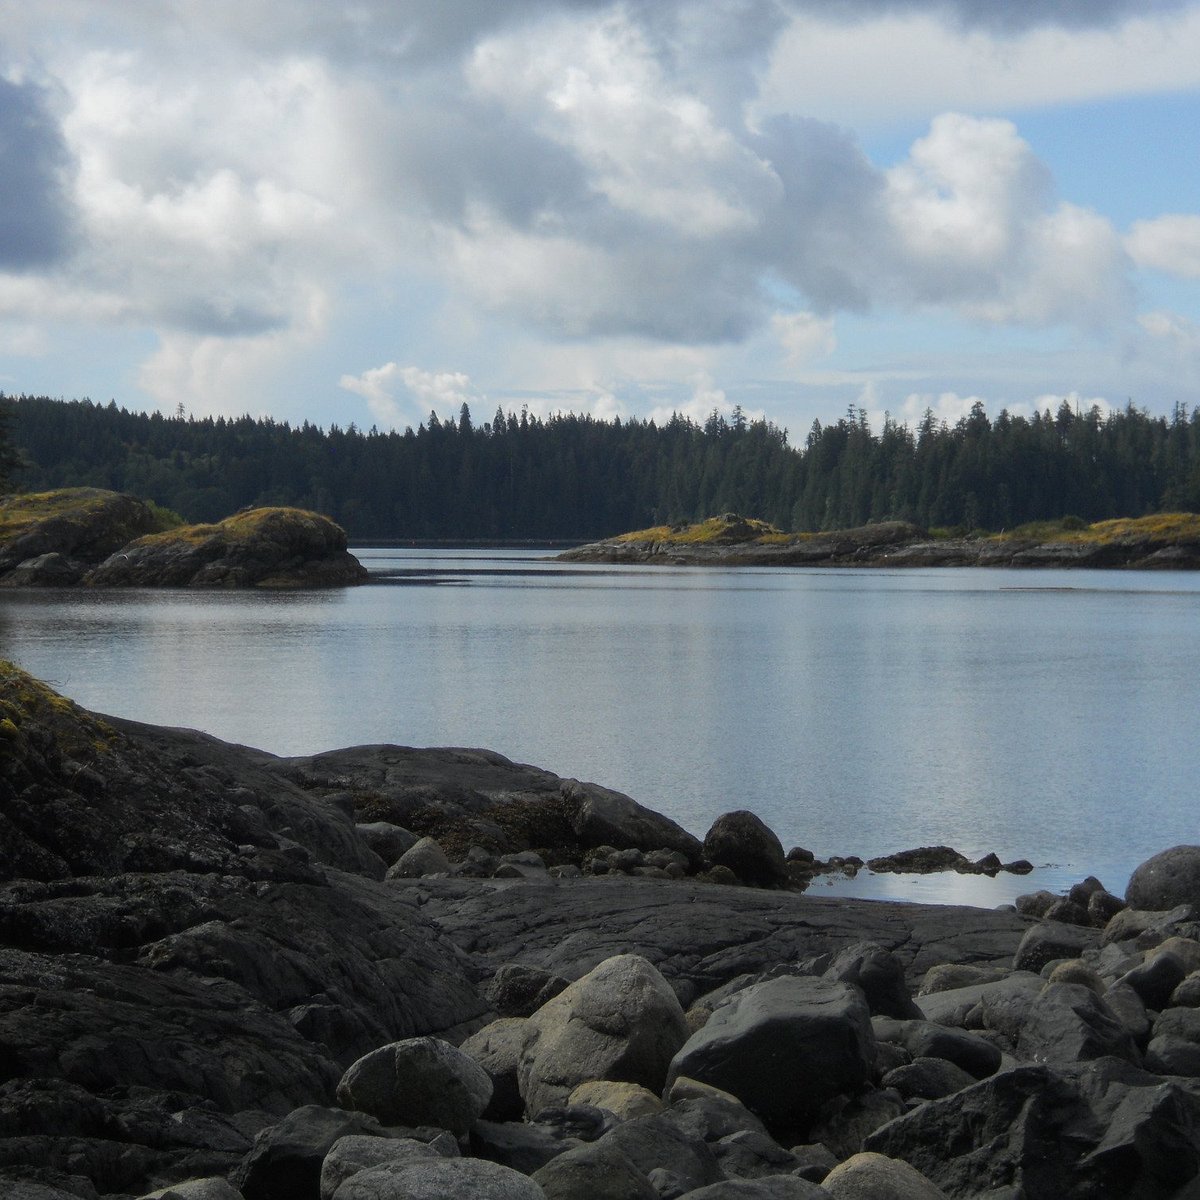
x,y
359,213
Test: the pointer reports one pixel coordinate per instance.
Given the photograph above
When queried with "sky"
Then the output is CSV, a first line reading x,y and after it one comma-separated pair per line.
x,y
357,213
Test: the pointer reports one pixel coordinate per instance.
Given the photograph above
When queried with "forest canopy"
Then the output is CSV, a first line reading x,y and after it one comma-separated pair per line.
x,y
576,477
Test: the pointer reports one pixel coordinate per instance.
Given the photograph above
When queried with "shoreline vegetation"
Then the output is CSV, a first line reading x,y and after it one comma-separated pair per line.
x,y
1164,541
361,974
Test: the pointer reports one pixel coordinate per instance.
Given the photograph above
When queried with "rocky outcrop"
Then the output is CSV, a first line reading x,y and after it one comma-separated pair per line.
x,y
50,539
1167,541
107,539
261,547
197,944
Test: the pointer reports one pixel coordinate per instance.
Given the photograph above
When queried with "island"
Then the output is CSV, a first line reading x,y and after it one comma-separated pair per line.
x,y
226,975
92,537
1164,541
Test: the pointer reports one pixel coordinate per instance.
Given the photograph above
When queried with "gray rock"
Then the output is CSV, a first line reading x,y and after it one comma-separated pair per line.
x,y
1129,923
523,1146
776,1032
497,1049
1170,878
1130,1010
1051,940
742,842
816,1160
623,1100
439,1179
422,858
847,1121
519,989
1155,979
870,1176
658,1143
955,1006
417,1081
1067,912
748,1154
44,570
926,1039
285,1161
1102,906
1187,994
349,1155
1070,1023
771,1187
620,1021
928,1079
191,1189
601,817
1036,904
598,1171
1169,1055
880,976
387,840
1075,970
948,976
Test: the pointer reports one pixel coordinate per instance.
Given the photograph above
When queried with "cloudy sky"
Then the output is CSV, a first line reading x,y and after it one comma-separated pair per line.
x,y
357,212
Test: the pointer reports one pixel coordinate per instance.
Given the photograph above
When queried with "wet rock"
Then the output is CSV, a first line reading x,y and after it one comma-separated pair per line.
x,y
741,842
602,817
417,1081
924,860
779,1031
620,1021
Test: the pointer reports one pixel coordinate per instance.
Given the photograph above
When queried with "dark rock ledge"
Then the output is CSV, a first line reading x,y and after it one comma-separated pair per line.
x,y
229,976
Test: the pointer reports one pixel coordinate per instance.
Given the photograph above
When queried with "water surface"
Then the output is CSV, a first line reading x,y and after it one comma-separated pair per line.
x,y
1040,714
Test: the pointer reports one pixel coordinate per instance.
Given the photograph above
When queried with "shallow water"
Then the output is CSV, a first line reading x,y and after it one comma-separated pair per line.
x,y
1048,715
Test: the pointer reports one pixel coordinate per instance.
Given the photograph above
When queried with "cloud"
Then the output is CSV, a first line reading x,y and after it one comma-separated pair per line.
x,y
804,336
1169,243
444,392
36,218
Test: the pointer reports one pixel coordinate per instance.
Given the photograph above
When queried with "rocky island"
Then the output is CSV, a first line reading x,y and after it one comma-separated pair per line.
x,y
230,976
1164,541
96,538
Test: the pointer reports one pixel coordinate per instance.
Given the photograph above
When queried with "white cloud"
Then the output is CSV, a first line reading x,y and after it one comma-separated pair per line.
x,y
443,392
896,66
1169,243
804,336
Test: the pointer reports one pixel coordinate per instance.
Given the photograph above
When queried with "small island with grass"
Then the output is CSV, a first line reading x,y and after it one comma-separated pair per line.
x,y
96,538
1168,541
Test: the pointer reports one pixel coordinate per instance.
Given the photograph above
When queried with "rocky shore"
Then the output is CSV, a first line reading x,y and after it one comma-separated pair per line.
x,y
95,538
387,973
1168,541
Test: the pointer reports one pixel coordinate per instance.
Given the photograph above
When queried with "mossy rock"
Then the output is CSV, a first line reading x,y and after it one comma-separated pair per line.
x,y
260,548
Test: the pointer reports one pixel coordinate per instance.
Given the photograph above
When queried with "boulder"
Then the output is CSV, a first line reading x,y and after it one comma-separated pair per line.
x,y
439,1179
927,1079
424,857
597,1171
1052,940
417,1081
1166,880
776,1033
212,1188
880,976
1155,979
353,1153
519,989
497,1049
743,843
387,840
285,1161
621,1021
522,1145
749,1154
1070,1023
657,1143
602,817
1131,923
624,1100
924,860
46,570
869,1176
770,1187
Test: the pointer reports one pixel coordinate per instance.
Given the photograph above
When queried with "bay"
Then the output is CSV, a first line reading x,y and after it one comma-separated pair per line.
x,y
1049,715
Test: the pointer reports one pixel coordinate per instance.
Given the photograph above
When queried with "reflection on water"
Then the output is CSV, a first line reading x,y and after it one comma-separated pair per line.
x,y
1042,714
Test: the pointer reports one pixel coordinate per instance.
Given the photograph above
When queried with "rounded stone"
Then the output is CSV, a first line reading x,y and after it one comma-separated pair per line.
x,y
418,1081
1170,878
743,843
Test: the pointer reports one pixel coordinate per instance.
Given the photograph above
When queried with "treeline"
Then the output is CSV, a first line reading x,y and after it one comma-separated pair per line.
x,y
568,476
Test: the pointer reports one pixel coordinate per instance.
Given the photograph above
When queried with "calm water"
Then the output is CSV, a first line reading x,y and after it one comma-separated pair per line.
x,y
1040,714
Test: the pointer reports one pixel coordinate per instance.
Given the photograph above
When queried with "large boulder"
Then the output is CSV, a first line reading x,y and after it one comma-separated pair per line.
x,y
418,1081
880,976
868,1176
438,1179
620,1021
1166,880
1070,1023
602,817
743,843
261,547
784,1047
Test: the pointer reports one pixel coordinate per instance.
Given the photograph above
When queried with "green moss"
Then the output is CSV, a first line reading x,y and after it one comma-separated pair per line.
x,y
27,701
724,528
1160,528
250,523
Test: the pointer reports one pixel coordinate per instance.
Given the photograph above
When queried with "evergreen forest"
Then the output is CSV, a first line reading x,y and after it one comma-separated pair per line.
x,y
578,477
